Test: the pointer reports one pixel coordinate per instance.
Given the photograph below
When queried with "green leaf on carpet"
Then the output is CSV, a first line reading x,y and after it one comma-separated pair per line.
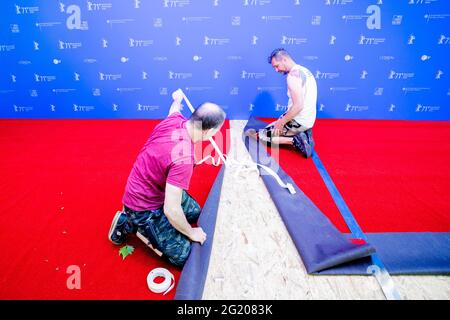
x,y
125,251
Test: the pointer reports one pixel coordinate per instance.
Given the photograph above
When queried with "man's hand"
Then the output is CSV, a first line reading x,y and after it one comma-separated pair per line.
x,y
177,95
278,127
198,235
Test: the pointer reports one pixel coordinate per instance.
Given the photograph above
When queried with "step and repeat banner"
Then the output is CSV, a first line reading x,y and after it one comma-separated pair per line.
x,y
122,58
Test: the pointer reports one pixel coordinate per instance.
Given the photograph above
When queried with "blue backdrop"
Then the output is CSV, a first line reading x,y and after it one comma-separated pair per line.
x,y
123,58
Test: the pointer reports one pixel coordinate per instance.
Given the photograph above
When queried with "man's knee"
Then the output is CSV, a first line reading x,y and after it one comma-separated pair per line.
x,y
266,135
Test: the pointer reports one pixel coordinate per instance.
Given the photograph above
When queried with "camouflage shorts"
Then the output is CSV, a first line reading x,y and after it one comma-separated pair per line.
x,y
155,226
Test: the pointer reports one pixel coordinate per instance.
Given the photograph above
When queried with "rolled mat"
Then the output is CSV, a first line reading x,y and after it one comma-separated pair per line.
x,y
319,243
193,277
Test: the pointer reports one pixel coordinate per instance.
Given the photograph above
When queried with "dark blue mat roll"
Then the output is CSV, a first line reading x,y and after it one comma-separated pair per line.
x,y
404,253
325,250
319,243
192,280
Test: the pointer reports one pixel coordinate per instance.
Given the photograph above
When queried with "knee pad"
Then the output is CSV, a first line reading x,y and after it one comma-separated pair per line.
x,y
265,135
148,236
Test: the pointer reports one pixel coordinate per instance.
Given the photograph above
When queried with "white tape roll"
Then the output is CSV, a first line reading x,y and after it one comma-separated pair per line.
x,y
165,286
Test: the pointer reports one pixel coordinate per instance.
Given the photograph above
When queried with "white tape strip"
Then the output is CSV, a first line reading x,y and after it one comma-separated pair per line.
x,y
288,186
229,162
219,152
384,279
165,286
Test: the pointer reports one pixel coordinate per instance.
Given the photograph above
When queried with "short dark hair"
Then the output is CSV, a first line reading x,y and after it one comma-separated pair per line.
x,y
209,115
276,54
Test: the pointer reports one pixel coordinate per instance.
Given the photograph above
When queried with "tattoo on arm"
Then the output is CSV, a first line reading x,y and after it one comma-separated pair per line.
x,y
299,74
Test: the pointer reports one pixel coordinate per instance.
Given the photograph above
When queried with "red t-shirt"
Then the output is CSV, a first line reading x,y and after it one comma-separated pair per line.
x,y
167,157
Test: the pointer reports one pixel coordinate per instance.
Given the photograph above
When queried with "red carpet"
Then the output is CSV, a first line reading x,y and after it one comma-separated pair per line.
x,y
393,175
306,176
62,181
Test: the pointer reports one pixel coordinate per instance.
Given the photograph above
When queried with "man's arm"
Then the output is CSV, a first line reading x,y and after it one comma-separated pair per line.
x,y
176,217
176,106
296,87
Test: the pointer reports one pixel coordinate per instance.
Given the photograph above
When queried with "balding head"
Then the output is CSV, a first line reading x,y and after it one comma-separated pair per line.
x,y
208,116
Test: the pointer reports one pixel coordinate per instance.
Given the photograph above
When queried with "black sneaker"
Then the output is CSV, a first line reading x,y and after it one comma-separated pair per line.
x,y
120,227
310,138
300,142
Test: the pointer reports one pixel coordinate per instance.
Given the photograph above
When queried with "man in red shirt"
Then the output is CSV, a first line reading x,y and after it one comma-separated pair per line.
x,y
156,205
